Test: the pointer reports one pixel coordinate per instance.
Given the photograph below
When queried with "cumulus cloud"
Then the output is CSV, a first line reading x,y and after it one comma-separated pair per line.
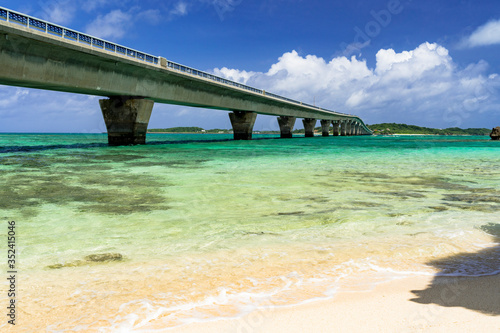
x,y
58,11
115,24
423,86
11,96
180,9
488,34
33,110
112,25
234,74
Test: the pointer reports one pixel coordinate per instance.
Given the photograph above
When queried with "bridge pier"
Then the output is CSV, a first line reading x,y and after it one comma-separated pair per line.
x,y
309,124
335,128
242,123
343,127
348,128
126,119
286,126
325,127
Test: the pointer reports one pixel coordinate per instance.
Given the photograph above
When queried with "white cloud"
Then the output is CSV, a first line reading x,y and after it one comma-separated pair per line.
x,y
33,110
151,16
488,34
58,11
234,74
423,86
115,24
180,9
10,96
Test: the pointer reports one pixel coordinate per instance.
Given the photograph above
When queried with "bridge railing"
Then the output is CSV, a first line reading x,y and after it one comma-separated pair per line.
x,y
69,34
99,43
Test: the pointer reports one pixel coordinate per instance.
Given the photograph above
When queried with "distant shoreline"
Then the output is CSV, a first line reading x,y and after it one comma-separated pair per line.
x,y
382,129
398,134
395,134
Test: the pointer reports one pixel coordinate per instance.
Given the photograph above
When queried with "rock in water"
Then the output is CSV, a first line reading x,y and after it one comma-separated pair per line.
x,y
104,257
93,258
495,133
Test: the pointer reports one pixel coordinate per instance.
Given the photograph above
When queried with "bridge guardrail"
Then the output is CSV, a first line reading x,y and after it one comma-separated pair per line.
x,y
69,34
99,43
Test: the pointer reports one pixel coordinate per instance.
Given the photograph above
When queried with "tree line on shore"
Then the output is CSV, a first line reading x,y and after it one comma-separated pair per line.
x,y
378,129
392,128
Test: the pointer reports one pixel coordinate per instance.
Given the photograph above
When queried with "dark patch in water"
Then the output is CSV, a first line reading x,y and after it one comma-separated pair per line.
x,y
134,193
327,211
103,257
491,228
471,198
405,223
118,158
405,194
476,207
292,213
28,161
417,233
185,164
258,233
90,259
439,208
367,204
432,182
316,199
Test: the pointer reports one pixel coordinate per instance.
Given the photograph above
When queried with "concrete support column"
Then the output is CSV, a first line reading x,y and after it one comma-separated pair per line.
x,y
286,126
343,124
309,124
242,123
325,127
354,125
335,128
126,119
349,128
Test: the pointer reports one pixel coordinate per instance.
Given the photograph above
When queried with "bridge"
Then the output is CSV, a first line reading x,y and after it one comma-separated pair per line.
x,y
38,54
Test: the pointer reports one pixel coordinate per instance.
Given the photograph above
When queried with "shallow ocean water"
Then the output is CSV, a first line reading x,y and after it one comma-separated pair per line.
x,y
208,227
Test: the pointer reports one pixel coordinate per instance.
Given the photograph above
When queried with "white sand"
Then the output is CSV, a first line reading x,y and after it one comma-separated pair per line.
x,y
435,305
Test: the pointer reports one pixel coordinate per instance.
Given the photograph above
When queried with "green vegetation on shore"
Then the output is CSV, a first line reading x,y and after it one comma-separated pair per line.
x,y
380,129
189,130
177,130
392,128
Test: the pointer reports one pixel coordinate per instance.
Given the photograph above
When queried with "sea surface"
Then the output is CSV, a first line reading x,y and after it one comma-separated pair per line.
x,y
200,227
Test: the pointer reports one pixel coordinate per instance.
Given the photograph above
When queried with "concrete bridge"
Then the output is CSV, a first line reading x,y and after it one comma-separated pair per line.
x,y
38,54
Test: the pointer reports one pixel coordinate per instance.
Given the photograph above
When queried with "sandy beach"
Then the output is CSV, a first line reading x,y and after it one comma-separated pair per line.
x,y
417,304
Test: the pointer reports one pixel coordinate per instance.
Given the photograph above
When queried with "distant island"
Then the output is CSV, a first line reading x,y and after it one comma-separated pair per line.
x,y
189,130
199,130
378,129
392,128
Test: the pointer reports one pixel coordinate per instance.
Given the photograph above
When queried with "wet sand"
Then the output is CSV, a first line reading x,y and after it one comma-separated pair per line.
x,y
417,304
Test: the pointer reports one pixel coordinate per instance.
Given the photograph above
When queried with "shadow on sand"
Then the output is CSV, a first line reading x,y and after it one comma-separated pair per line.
x,y
479,291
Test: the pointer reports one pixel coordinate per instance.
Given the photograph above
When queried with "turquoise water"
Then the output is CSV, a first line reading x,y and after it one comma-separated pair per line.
x,y
208,227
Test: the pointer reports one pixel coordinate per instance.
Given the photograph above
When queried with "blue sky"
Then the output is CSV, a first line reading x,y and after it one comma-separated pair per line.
x,y
428,63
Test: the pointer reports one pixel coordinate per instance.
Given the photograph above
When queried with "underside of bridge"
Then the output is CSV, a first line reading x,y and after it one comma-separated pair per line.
x,y
127,119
